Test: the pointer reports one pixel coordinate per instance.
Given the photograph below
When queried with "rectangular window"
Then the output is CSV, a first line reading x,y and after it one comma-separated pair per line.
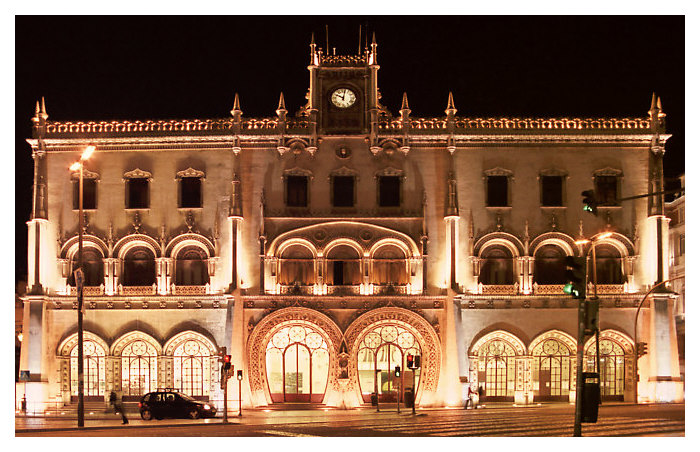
x,y
343,191
137,193
389,191
190,192
297,191
497,191
606,190
552,191
89,194
681,245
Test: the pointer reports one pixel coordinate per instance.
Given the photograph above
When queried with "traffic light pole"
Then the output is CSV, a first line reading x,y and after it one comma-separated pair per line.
x,y
225,384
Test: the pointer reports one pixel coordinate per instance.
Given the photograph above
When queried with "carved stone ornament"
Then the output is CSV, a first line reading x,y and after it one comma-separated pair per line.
x,y
138,174
343,152
189,172
498,171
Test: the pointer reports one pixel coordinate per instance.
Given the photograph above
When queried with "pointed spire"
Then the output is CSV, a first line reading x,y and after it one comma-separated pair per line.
x,y
236,111
37,110
450,110
44,115
373,51
281,105
314,56
404,102
374,39
653,107
658,106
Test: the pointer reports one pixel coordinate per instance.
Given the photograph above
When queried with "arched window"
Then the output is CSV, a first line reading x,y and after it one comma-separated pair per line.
x,y
92,266
139,368
297,363
296,266
192,368
381,350
552,370
496,266
550,266
191,268
93,369
612,368
608,265
497,369
139,267
389,266
343,266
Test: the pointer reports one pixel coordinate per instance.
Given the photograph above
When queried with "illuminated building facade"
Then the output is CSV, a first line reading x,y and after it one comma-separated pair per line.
x,y
322,248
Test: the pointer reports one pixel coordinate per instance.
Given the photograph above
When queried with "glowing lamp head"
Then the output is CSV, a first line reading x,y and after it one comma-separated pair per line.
x,y
75,166
239,375
87,152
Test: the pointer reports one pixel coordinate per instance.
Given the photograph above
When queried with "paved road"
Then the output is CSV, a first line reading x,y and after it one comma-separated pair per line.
x,y
627,420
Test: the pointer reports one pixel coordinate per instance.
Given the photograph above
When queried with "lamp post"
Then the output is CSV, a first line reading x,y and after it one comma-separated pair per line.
x,y
79,274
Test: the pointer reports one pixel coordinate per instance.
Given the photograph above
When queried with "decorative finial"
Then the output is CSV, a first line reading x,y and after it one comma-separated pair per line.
x,y
374,39
86,222
281,110
162,236
189,220
499,222
236,106
110,235
405,110
580,229
450,110
44,115
137,222
554,222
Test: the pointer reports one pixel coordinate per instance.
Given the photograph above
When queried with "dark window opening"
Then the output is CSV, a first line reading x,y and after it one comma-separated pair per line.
x,y
343,191
681,245
139,268
389,191
606,190
92,268
89,194
137,193
190,192
608,265
497,191
191,268
496,266
552,191
297,191
338,273
550,266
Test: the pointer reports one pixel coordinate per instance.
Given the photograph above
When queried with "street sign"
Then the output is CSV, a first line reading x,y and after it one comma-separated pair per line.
x,y
79,278
24,375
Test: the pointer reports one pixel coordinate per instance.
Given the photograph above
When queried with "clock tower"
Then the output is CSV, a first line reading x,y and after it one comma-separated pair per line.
x,y
343,97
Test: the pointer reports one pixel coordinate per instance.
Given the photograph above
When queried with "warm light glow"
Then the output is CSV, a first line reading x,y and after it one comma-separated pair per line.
x,y
75,166
604,235
582,241
87,153
19,337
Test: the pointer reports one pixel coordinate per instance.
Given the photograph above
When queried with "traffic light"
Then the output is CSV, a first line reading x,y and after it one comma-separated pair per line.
x,y
397,371
227,363
589,202
641,349
575,277
591,318
409,361
416,362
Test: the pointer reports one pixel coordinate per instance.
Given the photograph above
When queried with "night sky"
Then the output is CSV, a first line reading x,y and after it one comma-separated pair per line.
x,y
124,67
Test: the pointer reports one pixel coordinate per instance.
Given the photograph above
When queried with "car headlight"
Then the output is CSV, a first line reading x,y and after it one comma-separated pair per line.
x,y
207,407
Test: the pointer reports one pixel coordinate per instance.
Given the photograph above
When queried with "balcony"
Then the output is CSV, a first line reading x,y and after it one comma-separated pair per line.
x,y
548,289
296,289
89,290
137,290
506,289
190,290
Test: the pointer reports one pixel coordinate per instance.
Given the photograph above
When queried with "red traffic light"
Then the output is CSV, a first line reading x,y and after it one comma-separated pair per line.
x,y
409,361
227,359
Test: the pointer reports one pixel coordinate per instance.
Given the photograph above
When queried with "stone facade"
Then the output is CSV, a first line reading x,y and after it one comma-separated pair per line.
x,y
347,237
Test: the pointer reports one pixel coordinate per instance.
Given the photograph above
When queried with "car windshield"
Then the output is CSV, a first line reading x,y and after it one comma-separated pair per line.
x,y
186,397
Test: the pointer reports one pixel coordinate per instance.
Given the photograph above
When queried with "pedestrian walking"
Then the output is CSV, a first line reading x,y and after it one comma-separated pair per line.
x,y
470,398
118,406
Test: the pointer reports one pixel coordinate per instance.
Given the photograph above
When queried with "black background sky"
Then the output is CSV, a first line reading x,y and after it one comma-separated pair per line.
x,y
131,67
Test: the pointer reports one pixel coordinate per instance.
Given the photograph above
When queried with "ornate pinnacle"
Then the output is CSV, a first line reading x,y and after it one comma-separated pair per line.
x,y
405,111
236,107
451,110
43,113
281,110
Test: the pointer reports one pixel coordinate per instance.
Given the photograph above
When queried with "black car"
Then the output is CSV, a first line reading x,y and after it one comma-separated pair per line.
x,y
163,404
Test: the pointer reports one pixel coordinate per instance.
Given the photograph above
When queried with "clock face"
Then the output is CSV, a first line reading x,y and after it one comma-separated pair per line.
x,y
343,98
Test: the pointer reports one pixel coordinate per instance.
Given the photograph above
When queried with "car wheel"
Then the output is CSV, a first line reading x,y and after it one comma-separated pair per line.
x,y
194,413
146,415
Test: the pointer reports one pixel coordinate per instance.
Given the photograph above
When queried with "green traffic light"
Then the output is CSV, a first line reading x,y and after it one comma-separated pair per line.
x,y
568,287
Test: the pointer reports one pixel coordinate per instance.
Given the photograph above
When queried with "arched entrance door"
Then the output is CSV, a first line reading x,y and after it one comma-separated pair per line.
x,y
612,368
552,370
297,362
383,349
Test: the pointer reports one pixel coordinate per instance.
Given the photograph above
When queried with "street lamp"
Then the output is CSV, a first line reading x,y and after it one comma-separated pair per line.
x,y
79,280
239,376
